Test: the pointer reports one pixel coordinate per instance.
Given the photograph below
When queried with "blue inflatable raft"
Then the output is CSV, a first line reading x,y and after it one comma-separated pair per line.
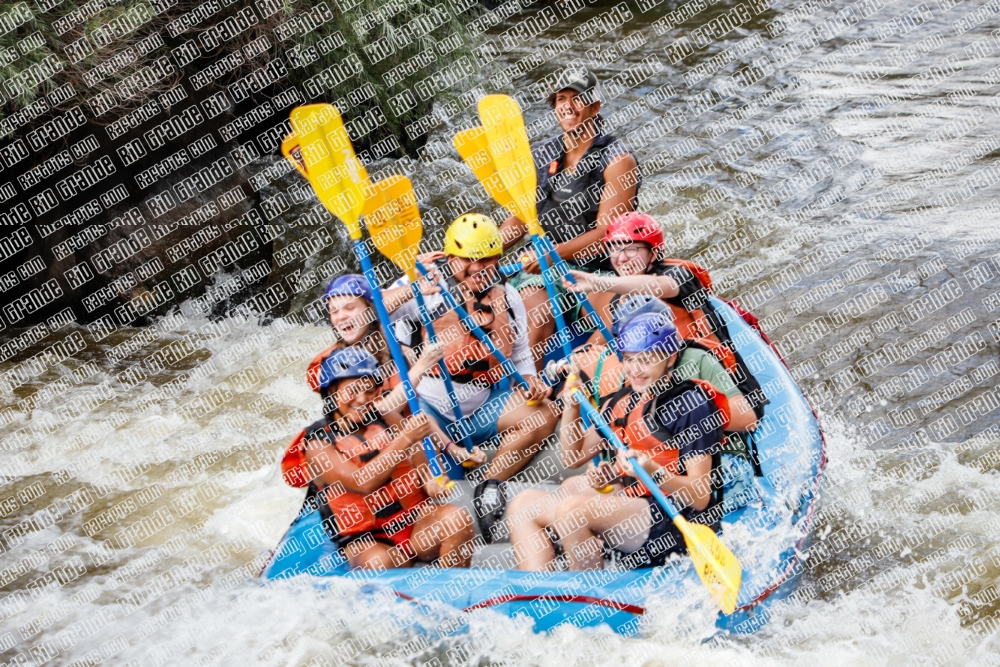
x,y
767,536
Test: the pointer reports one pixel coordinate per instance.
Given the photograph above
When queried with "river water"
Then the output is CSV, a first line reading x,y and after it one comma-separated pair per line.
x,y
844,190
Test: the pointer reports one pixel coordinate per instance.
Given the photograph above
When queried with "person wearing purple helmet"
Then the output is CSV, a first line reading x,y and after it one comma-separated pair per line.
x,y
351,313
367,475
674,427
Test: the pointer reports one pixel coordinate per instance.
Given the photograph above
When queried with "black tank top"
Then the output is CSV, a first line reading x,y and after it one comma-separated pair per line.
x,y
568,201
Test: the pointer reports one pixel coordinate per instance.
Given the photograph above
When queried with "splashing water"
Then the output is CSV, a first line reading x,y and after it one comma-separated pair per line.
x,y
133,531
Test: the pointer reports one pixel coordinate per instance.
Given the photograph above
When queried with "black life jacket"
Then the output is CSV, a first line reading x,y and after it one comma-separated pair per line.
x,y
568,202
636,420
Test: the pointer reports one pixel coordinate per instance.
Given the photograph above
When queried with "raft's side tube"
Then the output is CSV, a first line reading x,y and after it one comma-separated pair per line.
x,y
792,453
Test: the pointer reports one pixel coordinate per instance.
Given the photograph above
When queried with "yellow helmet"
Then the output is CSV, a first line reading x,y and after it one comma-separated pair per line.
x,y
473,236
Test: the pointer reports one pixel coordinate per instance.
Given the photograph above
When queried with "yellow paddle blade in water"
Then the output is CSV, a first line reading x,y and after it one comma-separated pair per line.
x,y
393,220
715,563
471,144
507,142
321,150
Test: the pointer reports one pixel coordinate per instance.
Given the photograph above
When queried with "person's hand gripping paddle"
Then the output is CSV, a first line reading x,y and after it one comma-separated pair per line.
x,y
499,155
716,565
321,151
393,221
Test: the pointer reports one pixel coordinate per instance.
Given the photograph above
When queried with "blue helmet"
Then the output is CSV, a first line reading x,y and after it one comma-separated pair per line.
x,y
634,305
647,332
349,284
348,362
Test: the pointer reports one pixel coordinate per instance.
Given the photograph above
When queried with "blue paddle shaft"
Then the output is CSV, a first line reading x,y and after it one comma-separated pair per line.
x,y
477,331
584,301
639,471
397,353
561,329
425,319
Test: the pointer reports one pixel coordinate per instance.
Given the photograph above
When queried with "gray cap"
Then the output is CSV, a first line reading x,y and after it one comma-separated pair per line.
x,y
579,79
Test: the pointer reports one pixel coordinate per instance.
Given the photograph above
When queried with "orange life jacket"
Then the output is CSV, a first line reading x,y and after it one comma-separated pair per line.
x,y
693,324
626,417
467,358
697,270
313,371
352,512
600,369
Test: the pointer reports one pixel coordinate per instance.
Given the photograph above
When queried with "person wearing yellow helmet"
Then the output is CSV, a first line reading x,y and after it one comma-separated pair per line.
x,y
494,411
473,236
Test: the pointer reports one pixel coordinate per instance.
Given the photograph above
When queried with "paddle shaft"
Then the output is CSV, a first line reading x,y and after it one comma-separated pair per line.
x,y
463,315
584,301
397,353
509,270
425,319
639,471
544,247
562,331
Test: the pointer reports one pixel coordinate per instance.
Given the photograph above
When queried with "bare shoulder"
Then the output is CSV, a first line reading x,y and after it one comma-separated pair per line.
x,y
621,164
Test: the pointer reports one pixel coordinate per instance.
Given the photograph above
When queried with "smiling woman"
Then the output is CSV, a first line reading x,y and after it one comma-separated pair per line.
x,y
351,314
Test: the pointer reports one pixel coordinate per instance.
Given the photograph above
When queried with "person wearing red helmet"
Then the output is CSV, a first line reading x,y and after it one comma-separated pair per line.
x,y
647,283
634,242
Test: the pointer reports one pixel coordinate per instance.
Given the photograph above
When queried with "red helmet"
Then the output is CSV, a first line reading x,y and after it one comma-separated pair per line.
x,y
635,227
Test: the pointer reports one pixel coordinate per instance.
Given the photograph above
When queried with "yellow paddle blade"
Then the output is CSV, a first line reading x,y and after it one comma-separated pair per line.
x,y
507,142
321,150
715,563
472,146
393,220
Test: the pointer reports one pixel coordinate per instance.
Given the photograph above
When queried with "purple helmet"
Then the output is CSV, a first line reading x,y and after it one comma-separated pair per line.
x,y
635,305
349,362
349,284
649,331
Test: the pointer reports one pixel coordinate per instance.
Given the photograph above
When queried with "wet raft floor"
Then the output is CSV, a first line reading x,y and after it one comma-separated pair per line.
x,y
545,471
